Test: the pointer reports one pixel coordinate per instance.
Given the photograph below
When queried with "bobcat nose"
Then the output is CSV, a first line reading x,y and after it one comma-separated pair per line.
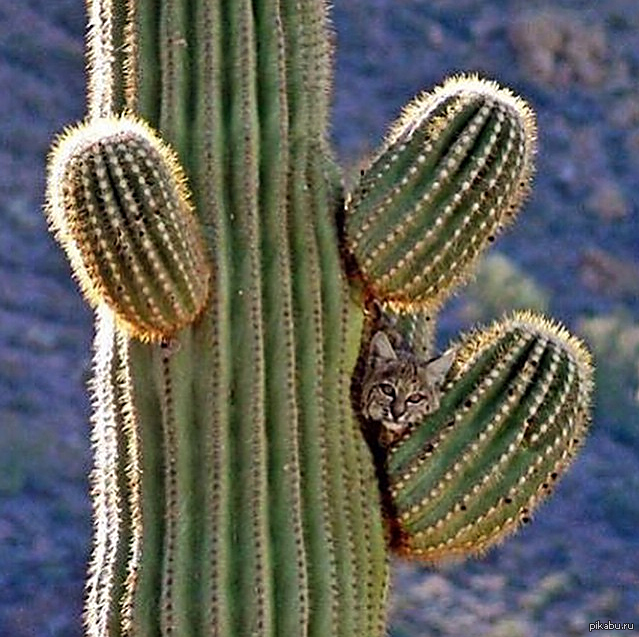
x,y
397,409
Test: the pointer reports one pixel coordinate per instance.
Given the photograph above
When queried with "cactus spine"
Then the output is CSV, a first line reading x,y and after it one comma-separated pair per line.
x,y
234,492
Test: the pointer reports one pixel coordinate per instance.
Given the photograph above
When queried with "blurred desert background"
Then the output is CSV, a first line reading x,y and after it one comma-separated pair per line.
x,y
574,253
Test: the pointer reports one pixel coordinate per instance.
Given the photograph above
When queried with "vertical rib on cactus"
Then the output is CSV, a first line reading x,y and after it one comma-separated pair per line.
x,y
319,484
103,580
101,52
285,501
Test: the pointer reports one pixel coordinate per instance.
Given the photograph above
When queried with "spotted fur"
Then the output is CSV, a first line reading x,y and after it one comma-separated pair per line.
x,y
400,389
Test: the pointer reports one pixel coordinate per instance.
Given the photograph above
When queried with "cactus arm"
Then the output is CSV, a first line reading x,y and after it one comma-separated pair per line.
x,y
454,170
119,206
512,418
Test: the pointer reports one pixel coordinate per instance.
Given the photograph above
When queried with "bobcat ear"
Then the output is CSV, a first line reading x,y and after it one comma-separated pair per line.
x,y
381,347
439,367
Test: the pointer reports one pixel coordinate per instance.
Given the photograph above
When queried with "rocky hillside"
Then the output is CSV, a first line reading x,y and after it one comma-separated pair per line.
x,y
575,252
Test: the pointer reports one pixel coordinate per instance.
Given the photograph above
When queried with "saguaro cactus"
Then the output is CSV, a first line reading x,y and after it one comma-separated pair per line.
x,y
234,490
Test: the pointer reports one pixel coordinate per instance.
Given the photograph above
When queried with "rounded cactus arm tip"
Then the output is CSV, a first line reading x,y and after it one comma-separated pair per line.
x,y
453,172
119,206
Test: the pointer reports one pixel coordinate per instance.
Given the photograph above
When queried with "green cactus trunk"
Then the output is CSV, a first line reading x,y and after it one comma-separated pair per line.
x,y
220,506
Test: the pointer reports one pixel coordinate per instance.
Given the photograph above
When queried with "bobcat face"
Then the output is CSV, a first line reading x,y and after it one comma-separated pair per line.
x,y
401,389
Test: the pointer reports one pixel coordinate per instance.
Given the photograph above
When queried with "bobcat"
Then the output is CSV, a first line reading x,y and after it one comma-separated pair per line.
x,y
399,389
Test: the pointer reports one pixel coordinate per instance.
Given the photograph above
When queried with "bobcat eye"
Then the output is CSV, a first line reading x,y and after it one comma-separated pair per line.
x,y
387,389
415,398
